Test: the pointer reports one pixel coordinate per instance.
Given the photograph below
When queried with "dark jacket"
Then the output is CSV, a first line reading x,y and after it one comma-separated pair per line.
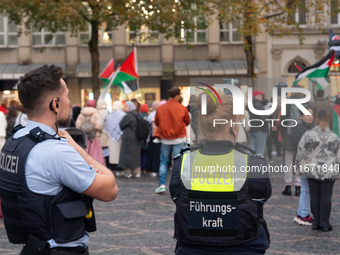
x,y
292,112
130,150
258,190
258,106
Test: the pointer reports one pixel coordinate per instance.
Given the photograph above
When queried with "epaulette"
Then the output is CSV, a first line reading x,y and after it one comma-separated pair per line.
x,y
246,150
186,148
190,148
40,135
17,128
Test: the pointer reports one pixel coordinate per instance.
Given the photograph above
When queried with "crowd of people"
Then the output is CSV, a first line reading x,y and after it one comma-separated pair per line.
x,y
310,150
112,140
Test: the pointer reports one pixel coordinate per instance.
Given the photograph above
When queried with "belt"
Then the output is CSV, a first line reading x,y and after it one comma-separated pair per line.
x,y
69,250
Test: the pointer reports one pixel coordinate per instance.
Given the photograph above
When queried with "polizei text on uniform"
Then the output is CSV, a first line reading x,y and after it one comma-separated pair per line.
x,y
9,163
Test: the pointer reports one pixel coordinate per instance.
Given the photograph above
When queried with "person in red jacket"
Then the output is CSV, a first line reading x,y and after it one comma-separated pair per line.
x,y
171,121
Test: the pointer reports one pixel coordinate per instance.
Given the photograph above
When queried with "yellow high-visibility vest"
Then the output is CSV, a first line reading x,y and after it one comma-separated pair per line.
x,y
214,173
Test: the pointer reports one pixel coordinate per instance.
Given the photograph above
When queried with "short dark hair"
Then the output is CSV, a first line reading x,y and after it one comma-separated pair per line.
x,y
337,101
320,93
174,91
35,85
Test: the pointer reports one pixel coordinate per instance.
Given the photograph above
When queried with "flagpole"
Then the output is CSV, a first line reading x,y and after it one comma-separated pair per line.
x,y
336,80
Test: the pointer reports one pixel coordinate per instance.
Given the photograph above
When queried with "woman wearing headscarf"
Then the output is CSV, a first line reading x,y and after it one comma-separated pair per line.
x,y
93,148
104,113
129,158
115,136
154,149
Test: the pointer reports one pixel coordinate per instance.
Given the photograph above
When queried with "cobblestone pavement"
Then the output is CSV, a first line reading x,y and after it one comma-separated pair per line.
x,y
141,222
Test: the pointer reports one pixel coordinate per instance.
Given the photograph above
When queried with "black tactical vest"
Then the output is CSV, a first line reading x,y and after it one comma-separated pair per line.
x,y
214,218
61,217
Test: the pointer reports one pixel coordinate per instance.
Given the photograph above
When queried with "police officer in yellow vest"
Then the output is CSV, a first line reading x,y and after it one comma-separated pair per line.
x,y
219,190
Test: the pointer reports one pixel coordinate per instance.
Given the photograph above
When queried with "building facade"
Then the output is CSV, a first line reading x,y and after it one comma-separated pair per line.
x,y
212,52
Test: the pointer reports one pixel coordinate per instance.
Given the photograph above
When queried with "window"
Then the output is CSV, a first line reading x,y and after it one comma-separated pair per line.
x,y
229,33
141,35
44,37
197,35
8,32
335,15
105,34
298,14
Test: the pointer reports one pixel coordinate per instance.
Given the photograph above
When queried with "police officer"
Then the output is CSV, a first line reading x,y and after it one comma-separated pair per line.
x,y
219,205
46,179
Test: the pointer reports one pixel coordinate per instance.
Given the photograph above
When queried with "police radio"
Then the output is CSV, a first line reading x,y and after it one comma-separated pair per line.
x,y
90,220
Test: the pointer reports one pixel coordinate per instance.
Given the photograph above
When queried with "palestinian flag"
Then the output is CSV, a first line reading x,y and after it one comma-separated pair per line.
x,y
334,43
125,76
105,75
317,72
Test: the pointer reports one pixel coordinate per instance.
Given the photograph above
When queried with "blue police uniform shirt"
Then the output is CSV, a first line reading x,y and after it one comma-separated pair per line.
x,y
53,164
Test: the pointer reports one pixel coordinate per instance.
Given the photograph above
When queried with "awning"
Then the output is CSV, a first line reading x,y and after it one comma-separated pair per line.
x,y
15,71
205,67
145,69
83,70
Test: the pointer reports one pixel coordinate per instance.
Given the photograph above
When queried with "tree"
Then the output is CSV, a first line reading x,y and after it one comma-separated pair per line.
x,y
277,17
75,15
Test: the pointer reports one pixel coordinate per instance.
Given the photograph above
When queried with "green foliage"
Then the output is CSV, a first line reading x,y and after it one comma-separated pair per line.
x,y
272,16
76,15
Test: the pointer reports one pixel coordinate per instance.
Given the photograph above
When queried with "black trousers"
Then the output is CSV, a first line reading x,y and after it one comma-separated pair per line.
x,y
321,201
153,157
190,251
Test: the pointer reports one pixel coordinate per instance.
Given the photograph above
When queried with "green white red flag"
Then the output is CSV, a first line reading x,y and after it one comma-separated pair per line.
x,y
125,76
317,72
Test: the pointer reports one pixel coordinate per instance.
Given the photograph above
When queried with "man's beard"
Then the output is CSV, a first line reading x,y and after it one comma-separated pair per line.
x,y
64,122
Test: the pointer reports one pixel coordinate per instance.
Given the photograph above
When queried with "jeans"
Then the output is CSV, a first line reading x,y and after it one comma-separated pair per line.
x,y
290,177
165,154
258,141
304,201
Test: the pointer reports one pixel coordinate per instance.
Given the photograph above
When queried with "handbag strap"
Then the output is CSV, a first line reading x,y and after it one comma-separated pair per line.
x,y
318,148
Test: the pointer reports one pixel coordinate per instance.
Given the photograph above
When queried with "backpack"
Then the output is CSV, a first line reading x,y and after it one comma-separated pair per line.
x,y
88,128
142,128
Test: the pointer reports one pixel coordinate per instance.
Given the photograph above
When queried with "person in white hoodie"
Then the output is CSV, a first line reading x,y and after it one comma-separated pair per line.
x,y
3,126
